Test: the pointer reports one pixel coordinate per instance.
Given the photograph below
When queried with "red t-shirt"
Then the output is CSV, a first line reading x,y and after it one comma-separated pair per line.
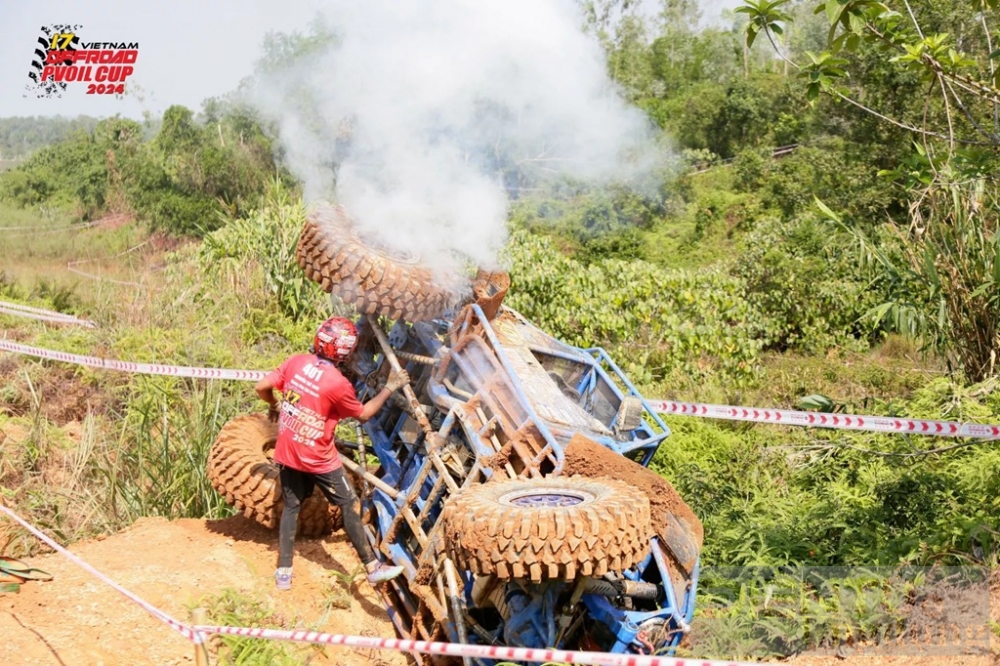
x,y
315,396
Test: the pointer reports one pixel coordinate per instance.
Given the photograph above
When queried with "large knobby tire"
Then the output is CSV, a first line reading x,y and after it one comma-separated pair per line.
x,y
373,280
550,528
240,469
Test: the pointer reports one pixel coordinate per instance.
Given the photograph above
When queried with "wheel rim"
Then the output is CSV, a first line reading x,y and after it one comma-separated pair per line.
x,y
533,498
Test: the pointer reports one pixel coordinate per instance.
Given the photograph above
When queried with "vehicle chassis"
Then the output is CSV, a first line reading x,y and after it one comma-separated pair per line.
x,y
495,400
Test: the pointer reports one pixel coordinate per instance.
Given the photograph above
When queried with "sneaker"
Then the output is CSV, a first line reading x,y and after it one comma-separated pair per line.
x,y
283,578
383,572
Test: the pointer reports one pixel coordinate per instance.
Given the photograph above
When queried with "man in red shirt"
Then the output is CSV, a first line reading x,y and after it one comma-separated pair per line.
x,y
315,395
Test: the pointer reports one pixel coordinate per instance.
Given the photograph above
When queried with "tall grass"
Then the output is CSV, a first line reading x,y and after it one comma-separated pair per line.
x,y
266,238
941,271
145,452
38,260
158,468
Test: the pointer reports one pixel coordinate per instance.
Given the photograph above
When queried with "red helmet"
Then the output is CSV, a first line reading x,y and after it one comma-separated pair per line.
x,y
335,339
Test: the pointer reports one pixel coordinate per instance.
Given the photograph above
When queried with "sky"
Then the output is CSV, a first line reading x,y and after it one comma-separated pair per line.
x,y
189,50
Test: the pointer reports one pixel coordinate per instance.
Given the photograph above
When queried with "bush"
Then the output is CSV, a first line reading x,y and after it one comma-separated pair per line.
x,y
266,240
804,284
656,321
176,182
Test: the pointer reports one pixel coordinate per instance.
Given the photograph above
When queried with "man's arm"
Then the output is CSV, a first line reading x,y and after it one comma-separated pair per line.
x,y
265,389
370,408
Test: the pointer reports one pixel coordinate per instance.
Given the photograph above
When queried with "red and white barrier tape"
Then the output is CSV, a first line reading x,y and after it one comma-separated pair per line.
x,y
18,310
186,631
71,267
129,366
28,308
473,651
46,231
886,424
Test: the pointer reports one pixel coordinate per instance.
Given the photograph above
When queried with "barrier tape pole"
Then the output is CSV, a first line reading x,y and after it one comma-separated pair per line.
x,y
885,424
474,651
190,633
129,366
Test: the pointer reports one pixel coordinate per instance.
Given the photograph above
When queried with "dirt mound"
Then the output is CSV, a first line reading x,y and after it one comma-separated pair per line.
x,y
672,519
77,619
63,395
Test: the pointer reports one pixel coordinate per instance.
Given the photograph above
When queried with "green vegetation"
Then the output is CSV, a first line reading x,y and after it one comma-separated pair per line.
x,y
863,267
237,609
178,181
20,137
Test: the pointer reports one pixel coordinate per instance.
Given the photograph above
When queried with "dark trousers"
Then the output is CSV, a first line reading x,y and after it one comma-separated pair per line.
x,y
296,487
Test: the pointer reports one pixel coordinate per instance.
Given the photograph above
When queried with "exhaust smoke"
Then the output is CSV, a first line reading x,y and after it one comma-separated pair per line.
x,y
419,116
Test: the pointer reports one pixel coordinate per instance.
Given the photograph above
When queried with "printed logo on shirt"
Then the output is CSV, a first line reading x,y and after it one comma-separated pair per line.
x,y
305,424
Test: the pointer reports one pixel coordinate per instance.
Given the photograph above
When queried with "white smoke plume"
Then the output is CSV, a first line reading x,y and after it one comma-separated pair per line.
x,y
421,103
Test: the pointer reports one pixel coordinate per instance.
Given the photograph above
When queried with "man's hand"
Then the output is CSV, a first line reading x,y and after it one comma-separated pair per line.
x,y
272,413
397,380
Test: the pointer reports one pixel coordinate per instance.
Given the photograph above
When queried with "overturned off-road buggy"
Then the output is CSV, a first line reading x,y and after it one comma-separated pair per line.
x,y
511,481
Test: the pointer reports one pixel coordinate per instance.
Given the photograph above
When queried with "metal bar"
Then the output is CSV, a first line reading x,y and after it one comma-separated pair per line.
x,y
442,592
606,357
491,335
488,424
355,469
409,501
692,592
359,433
431,437
456,605
443,471
429,502
668,586
495,441
478,630
457,391
417,358
423,558
390,356
415,527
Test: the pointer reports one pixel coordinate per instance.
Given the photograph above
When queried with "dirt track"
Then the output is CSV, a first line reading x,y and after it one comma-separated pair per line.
x,y
78,620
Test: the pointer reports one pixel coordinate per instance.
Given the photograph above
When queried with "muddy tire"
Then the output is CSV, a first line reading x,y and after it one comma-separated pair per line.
x,y
552,528
375,282
240,470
